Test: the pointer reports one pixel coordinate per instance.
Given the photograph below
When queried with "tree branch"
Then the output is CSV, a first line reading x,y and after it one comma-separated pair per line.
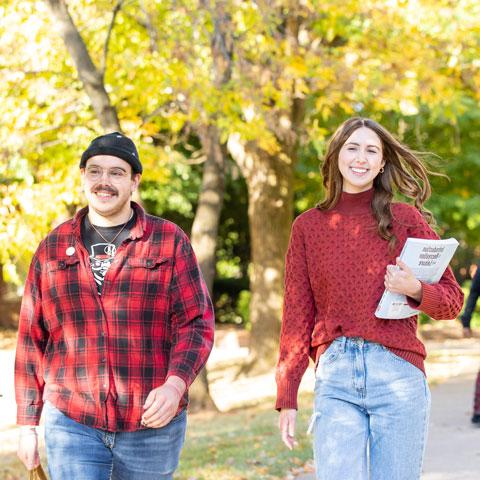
x,y
87,71
151,30
116,9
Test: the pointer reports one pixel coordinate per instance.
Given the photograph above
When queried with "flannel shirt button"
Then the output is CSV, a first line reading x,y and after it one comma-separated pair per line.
x,y
149,262
103,360
62,264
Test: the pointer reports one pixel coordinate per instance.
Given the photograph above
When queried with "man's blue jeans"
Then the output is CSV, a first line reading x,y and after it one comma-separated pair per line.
x,y
79,452
371,414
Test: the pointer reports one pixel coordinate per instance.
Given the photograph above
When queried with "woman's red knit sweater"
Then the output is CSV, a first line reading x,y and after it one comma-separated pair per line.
x,y
334,273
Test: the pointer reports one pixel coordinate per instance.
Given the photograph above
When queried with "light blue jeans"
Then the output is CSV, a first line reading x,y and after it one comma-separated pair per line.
x,y
371,414
79,452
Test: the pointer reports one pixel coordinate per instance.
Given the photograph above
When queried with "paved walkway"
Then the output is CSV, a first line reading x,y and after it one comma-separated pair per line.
x,y
453,448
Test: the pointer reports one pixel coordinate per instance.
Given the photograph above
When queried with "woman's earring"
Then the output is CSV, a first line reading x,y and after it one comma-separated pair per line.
x,y
382,170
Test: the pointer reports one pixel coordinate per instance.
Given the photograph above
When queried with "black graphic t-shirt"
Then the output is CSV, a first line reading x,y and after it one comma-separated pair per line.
x,y
102,252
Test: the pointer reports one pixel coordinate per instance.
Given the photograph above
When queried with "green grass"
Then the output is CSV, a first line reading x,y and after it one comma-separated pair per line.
x,y
243,445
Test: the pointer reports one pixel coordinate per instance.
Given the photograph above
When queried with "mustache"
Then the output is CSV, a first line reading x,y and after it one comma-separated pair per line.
x,y
104,189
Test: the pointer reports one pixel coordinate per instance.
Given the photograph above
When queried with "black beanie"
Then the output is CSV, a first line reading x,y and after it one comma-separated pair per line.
x,y
115,144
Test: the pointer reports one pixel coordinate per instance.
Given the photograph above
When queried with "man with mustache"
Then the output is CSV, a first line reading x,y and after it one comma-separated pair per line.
x,y
115,324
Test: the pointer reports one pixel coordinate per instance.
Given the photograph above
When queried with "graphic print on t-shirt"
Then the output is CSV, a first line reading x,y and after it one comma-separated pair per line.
x,y
101,258
102,244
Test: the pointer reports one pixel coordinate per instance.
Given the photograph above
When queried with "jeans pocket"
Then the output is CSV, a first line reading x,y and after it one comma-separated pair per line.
x,y
330,354
394,357
328,360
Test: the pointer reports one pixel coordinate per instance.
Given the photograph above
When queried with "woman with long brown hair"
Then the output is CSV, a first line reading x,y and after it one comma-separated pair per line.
x,y
372,401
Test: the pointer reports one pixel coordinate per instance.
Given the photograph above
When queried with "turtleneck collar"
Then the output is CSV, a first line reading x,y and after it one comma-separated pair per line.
x,y
355,203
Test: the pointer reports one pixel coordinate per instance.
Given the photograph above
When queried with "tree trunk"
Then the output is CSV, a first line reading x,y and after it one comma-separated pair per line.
x,y
9,304
270,191
210,201
204,236
270,211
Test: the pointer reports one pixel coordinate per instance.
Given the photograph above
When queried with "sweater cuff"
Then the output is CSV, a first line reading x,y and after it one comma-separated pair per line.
x,y
430,299
287,394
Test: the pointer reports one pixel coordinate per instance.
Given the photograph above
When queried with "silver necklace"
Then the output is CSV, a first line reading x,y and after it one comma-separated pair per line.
x,y
118,233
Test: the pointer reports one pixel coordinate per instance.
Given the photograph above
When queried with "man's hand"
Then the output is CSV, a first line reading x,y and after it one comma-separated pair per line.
x,y
400,279
162,403
28,447
286,423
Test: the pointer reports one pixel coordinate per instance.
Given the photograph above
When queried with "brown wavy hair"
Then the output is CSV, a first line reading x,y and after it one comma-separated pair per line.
x,y
404,172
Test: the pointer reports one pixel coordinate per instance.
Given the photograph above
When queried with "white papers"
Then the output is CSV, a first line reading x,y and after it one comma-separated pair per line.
x,y
428,259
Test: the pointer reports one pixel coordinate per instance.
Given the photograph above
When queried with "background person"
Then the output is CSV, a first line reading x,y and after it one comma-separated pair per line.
x,y
466,317
476,402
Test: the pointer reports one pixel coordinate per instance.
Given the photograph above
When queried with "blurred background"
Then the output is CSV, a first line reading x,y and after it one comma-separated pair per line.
x,y
230,104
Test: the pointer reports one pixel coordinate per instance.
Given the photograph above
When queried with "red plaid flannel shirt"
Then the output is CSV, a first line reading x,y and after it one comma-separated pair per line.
x,y
97,358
